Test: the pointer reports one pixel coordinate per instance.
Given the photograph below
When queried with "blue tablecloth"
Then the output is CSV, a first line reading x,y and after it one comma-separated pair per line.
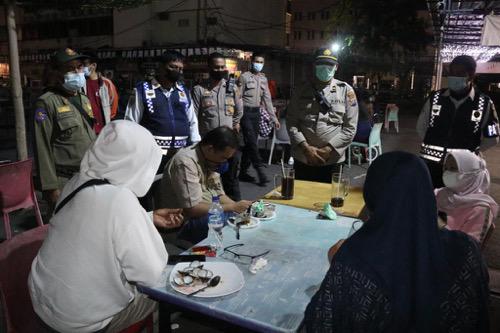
x,y
274,299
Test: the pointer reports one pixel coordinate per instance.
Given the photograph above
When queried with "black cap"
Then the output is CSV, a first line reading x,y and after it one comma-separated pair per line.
x,y
66,55
325,55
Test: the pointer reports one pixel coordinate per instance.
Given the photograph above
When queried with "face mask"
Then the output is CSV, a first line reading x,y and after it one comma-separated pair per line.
x,y
450,179
257,66
74,81
218,75
325,73
173,76
457,83
222,168
86,71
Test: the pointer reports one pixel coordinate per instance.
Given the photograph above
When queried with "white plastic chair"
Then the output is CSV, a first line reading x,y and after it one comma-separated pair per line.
x,y
280,137
391,115
374,145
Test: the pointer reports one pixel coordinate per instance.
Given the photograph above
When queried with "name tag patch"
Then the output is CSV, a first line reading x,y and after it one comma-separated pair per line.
x,y
64,108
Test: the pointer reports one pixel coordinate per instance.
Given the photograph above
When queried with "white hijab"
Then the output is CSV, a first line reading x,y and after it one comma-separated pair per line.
x,y
125,154
473,184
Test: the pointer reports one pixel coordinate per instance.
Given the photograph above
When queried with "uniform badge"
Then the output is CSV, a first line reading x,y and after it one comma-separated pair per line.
x,y
436,109
64,108
476,115
351,96
182,96
150,94
40,115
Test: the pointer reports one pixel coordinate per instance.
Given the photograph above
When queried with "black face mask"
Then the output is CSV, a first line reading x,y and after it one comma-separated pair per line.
x,y
173,76
218,75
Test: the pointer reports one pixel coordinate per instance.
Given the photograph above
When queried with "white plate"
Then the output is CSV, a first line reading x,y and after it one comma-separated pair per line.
x,y
267,218
254,222
231,279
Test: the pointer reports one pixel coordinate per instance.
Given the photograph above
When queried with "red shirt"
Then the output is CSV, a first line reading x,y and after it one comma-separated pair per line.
x,y
95,101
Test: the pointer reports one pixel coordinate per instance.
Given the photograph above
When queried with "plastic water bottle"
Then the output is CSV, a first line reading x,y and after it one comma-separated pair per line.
x,y
216,222
290,162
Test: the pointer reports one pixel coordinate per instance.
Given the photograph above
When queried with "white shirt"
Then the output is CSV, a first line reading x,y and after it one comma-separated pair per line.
x,y
135,110
102,241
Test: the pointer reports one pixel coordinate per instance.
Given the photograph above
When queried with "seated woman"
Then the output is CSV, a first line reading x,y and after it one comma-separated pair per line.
x,y
399,272
465,199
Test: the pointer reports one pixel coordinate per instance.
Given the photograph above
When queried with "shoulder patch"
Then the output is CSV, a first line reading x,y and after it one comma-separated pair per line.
x,y
40,112
351,96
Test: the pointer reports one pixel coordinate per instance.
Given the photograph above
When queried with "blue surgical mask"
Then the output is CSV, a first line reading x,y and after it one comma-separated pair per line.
x,y
325,73
222,168
74,81
86,71
257,66
457,83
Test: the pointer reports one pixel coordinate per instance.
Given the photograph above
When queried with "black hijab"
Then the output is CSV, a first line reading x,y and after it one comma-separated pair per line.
x,y
414,262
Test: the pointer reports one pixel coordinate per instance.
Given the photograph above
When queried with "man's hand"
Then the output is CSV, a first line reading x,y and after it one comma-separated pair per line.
x,y
237,128
167,218
325,152
312,155
277,124
241,206
53,195
334,249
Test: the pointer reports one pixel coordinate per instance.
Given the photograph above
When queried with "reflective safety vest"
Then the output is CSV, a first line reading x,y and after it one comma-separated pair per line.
x,y
451,128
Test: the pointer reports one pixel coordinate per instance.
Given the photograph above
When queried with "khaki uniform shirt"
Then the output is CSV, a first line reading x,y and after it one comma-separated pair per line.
x,y
62,136
187,180
336,127
215,108
255,91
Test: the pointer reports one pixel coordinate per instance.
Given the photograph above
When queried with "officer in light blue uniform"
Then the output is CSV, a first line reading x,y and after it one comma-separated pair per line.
x,y
166,110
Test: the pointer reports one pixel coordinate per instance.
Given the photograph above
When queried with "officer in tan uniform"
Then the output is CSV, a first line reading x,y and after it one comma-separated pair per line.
x,y
63,123
190,180
321,121
218,103
255,92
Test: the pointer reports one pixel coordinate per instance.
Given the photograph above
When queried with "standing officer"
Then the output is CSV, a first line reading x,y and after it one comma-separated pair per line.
x,y
164,107
218,103
460,117
63,123
321,121
255,91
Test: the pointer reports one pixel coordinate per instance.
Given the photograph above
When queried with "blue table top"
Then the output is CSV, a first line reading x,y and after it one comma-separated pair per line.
x,y
274,299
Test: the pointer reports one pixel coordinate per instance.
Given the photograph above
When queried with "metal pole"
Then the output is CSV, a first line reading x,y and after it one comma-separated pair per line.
x,y
15,79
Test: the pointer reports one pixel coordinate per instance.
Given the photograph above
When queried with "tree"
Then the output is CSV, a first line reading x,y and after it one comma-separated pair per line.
x,y
381,25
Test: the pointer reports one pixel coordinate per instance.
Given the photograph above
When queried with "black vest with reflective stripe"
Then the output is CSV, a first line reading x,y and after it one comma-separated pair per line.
x,y
453,129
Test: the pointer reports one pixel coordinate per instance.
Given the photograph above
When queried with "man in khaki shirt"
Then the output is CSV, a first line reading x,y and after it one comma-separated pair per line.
x,y
321,121
255,92
218,103
191,179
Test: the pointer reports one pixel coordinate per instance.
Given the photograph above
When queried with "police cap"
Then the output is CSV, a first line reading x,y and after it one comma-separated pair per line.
x,y
325,55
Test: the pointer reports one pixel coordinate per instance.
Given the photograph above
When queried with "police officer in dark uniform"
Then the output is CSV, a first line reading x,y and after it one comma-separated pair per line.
x,y
459,117
164,107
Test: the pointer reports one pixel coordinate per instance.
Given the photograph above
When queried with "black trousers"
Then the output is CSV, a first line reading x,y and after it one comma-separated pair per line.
x,y
436,171
322,174
250,129
230,180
